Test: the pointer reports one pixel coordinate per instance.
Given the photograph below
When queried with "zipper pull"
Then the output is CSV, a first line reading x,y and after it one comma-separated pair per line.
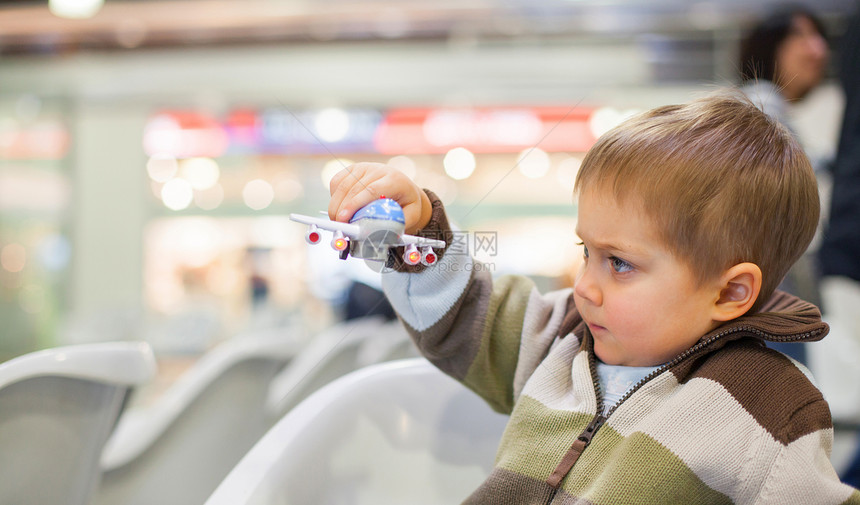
x,y
592,428
575,451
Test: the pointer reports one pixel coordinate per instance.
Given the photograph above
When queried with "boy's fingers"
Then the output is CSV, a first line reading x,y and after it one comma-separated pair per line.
x,y
357,196
336,181
360,184
354,192
334,205
349,175
340,185
411,214
417,214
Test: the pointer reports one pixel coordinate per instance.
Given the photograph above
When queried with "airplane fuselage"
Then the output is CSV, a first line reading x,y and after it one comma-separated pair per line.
x,y
376,237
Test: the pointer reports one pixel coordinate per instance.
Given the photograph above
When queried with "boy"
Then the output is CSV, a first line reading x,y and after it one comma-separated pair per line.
x,y
649,381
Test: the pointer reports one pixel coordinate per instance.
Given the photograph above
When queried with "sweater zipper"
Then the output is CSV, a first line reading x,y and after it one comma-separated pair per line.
x,y
579,445
575,451
584,439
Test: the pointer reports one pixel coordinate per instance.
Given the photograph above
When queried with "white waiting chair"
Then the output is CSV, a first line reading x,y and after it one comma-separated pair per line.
x,y
57,408
177,450
341,349
393,433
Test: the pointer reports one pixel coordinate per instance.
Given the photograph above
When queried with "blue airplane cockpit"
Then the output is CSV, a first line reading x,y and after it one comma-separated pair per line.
x,y
383,208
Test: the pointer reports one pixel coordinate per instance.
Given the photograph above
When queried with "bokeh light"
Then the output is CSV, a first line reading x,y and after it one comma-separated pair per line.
x,y
567,171
75,9
331,168
201,173
459,163
405,164
331,125
162,167
209,198
288,189
177,194
13,257
54,252
606,118
533,163
258,194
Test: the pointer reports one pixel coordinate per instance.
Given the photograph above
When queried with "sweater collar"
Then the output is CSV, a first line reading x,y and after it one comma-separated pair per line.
x,y
784,318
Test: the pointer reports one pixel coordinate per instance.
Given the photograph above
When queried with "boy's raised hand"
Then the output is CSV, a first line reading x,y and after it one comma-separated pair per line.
x,y
359,184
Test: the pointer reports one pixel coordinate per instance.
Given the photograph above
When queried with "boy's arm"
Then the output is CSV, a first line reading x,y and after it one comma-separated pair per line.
x,y
489,335
801,471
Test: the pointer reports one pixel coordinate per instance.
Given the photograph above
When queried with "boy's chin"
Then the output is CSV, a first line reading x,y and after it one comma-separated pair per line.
x,y
606,357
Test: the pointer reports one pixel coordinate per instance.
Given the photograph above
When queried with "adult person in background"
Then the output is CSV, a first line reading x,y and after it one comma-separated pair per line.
x,y
784,57
840,247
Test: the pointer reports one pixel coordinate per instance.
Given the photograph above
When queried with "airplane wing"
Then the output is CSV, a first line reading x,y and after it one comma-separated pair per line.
x,y
350,230
422,241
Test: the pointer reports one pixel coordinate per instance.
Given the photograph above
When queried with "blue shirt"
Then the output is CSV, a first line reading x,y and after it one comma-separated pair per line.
x,y
616,380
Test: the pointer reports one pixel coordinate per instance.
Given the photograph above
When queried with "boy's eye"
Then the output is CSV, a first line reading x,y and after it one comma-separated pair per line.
x,y
619,265
584,249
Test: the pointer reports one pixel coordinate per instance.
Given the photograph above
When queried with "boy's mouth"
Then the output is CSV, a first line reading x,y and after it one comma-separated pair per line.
x,y
595,328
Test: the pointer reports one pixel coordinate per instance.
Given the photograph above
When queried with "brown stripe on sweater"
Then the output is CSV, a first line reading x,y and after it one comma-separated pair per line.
x,y
504,486
767,385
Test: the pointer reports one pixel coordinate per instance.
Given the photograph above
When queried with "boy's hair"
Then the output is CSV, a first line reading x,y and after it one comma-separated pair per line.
x,y
723,182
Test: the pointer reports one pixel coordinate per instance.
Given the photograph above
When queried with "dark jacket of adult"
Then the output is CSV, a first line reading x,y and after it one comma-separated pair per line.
x,y
840,250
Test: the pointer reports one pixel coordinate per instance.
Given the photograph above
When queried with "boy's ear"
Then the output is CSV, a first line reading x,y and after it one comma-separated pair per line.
x,y
739,289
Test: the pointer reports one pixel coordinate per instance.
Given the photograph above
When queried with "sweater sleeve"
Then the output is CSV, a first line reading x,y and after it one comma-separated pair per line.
x,y
489,334
801,471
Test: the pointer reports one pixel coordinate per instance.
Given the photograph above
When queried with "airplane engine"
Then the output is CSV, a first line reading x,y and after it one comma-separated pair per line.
x,y
339,242
428,256
313,235
411,255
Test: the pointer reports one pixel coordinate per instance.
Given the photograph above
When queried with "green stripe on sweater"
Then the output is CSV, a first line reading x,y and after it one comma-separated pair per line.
x,y
524,448
496,361
854,499
647,473
637,467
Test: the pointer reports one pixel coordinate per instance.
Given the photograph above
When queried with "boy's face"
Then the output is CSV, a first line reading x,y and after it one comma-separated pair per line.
x,y
641,303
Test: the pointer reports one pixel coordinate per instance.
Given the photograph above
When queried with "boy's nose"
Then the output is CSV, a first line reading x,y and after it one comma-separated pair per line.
x,y
585,287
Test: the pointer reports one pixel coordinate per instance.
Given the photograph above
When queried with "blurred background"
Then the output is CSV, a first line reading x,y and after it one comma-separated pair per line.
x,y
150,150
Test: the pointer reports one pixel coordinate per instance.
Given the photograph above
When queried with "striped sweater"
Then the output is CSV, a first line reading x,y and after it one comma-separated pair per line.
x,y
726,422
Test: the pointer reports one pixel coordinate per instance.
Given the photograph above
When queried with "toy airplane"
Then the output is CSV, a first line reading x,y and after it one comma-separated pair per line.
x,y
372,231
